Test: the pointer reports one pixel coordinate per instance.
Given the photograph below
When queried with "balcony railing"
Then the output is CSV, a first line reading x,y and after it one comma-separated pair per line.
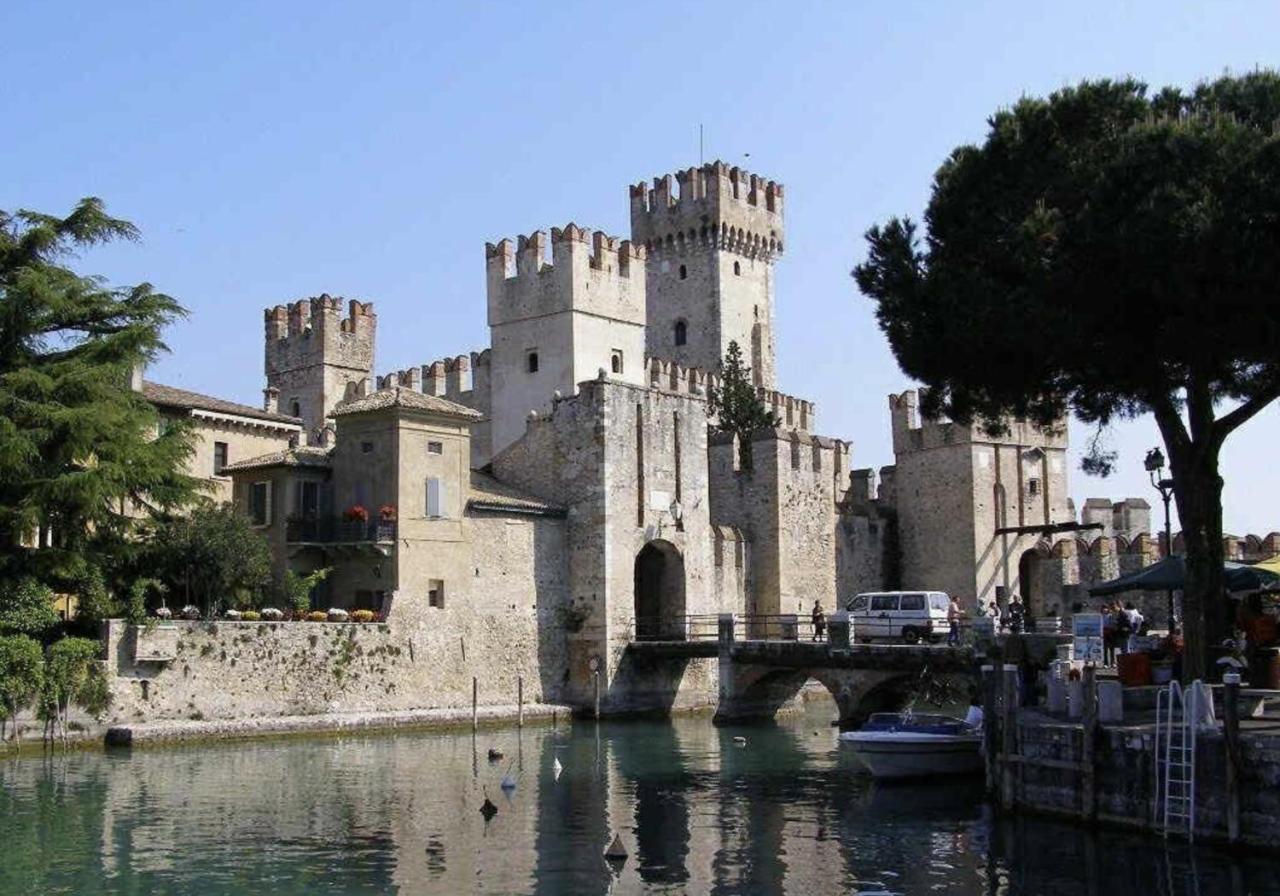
x,y
339,530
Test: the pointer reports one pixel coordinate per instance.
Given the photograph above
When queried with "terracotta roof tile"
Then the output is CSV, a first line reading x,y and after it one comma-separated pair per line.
x,y
168,396
400,397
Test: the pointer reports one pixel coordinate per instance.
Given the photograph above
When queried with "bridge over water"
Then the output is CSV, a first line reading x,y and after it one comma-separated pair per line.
x,y
764,662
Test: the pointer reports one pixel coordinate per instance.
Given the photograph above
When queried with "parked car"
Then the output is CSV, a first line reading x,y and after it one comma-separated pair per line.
x,y
908,616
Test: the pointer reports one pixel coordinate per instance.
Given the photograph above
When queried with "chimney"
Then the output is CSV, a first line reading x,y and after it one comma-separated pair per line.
x,y
271,400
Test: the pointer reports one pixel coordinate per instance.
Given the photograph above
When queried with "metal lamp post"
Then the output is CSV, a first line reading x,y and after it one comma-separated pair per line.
x,y
1154,464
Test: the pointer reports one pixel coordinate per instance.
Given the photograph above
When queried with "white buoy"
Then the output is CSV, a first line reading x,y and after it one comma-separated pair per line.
x,y
739,741
556,768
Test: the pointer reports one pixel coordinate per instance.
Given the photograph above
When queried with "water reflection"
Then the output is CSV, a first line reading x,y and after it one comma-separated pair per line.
x,y
784,813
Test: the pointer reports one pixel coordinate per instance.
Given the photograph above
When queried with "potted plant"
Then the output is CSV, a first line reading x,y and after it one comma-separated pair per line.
x,y
356,513
387,513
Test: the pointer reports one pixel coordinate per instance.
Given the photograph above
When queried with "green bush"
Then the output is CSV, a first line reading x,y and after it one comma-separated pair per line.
x,y
27,609
21,675
74,675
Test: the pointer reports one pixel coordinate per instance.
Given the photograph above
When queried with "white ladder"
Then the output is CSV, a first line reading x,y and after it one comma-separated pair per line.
x,y
1177,713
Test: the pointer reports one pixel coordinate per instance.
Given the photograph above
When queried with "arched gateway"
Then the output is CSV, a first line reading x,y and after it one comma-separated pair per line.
x,y
659,593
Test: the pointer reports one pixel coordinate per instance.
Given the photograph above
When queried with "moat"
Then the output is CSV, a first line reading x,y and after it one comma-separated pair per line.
x,y
699,813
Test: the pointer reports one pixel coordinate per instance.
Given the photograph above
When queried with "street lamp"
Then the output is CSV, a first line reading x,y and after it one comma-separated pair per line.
x,y
1154,464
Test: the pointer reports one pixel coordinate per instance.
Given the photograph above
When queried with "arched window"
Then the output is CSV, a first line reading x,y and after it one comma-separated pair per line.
x,y
684,272
682,332
737,269
295,409
615,361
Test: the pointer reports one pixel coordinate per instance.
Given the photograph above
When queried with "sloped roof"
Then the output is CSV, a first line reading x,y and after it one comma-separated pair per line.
x,y
399,397
487,492
290,457
169,397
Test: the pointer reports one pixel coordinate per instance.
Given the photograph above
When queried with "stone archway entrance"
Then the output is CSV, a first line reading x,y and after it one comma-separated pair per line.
x,y
659,593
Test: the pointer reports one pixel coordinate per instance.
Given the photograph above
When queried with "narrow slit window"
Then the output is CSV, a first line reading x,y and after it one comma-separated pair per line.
x,y
533,362
682,332
684,272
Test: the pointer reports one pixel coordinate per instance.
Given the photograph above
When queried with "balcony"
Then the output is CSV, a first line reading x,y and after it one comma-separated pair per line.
x,y
340,531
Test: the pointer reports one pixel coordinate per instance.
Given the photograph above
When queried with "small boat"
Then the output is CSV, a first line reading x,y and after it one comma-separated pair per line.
x,y
910,745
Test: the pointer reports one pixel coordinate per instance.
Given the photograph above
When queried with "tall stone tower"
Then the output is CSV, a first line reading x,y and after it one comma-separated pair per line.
x,y
315,357
970,505
710,275
555,325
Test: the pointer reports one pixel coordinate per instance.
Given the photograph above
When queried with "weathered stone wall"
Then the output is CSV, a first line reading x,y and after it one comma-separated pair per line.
x,y
1126,778
861,541
502,619
244,440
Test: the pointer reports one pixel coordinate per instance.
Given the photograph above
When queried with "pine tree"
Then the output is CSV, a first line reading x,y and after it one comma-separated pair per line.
x,y
78,446
737,407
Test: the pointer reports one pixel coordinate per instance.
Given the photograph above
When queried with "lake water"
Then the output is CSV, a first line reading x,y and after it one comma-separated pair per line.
x,y
786,813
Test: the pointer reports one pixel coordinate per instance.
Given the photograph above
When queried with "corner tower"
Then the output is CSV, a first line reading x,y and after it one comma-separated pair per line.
x,y
314,355
555,325
711,249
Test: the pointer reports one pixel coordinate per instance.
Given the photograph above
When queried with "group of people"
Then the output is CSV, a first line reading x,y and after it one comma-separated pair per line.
x,y
1121,626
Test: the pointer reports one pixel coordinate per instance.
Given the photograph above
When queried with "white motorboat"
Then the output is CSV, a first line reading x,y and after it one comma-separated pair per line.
x,y
909,745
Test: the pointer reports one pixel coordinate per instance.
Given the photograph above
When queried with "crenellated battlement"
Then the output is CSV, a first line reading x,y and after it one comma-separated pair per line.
x,y
321,313
713,205
792,413
587,270
913,432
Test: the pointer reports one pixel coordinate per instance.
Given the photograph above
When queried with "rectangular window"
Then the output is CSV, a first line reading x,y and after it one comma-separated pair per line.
x,y
532,361
912,602
1033,487
882,602
435,498
260,503
435,593
219,457
435,447
366,447
308,499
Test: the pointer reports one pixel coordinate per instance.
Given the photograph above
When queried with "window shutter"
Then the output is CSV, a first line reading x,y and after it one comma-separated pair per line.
x,y
435,497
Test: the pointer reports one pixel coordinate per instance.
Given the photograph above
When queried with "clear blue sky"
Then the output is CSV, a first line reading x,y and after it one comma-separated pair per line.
x,y
271,151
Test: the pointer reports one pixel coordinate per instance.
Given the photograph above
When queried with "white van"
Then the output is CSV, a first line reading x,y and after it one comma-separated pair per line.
x,y
908,616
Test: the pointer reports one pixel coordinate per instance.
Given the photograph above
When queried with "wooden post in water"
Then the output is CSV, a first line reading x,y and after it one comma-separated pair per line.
x,y
520,702
1089,740
1231,740
1008,733
989,727
597,680
475,702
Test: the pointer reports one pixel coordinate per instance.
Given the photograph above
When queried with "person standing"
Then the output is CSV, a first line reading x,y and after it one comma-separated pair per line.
x,y
1135,627
1017,614
819,618
953,622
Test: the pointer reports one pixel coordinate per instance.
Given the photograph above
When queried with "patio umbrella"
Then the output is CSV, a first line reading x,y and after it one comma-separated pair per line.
x,y
1271,566
1170,574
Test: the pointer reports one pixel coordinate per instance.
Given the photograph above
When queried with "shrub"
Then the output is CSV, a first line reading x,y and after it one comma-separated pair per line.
x,y
190,611
233,615
21,675
271,614
317,616
164,613
74,675
250,616
363,616
27,609
337,615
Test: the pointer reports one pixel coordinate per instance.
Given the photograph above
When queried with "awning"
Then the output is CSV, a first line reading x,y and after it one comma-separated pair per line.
x,y
1170,574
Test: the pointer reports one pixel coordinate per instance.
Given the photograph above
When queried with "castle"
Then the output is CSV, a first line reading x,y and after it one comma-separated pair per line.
x,y
530,508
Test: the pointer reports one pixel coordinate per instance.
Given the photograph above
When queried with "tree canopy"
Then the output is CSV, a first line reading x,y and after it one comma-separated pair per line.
x,y
79,448
1107,252
738,409
211,557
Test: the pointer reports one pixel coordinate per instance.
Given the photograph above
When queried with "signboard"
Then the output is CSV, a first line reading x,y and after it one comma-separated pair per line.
x,y
1086,641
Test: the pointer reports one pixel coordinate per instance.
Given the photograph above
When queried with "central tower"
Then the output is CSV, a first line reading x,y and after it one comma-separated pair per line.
x,y
709,278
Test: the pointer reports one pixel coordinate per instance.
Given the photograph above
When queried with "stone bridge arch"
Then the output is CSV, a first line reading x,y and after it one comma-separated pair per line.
x,y
756,693
757,678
